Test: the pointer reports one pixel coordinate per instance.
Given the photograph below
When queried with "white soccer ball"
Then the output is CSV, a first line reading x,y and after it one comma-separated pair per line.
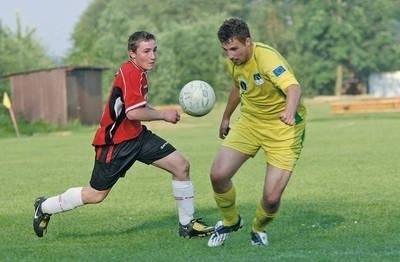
x,y
197,98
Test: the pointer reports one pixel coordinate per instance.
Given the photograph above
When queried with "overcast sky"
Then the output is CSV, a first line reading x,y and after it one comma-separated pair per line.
x,y
54,20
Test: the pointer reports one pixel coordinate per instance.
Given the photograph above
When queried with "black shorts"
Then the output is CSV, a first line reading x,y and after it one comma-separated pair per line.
x,y
112,161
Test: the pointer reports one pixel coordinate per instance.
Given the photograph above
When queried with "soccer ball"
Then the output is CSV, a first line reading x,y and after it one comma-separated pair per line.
x,y
197,98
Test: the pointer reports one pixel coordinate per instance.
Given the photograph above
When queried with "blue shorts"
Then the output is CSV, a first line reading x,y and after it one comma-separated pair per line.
x,y
112,161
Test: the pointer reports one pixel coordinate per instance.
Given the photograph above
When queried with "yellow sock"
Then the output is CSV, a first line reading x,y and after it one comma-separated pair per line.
x,y
261,219
227,205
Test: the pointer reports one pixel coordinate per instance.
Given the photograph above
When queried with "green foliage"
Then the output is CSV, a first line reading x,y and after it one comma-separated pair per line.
x,y
174,70
315,36
186,32
26,128
21,50
340,205
360,35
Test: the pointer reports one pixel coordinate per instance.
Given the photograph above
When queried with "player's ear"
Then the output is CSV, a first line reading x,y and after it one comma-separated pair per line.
x,y
248,42
131,54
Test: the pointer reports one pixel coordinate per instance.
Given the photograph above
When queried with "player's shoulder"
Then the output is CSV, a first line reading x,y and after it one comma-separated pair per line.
x,y
267,57
264,49
128,68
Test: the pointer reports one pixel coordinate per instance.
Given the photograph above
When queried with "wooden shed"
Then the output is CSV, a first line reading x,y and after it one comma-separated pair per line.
x,y
58,95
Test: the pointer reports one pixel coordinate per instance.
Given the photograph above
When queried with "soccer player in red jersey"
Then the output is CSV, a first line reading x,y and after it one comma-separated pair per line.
x,y
121,140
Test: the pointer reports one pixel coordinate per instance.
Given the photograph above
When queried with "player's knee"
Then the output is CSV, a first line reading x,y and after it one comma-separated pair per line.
x,y
98,198
271,202
216,172
214,178
220,184
94,196
182,169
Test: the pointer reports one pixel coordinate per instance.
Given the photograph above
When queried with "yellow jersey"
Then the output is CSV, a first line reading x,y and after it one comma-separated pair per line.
x,y
263,81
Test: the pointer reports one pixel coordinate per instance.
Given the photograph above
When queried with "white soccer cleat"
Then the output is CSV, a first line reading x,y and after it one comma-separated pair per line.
x,y
222,232
259,238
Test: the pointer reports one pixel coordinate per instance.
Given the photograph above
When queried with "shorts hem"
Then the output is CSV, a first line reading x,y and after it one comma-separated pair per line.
x,y
241,151
280,166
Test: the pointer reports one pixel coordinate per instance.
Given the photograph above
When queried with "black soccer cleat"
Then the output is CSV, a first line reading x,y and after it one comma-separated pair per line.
x,y
195,228
40,219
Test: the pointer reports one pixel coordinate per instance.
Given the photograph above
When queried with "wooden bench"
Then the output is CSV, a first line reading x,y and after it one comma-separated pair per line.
x,y
365,105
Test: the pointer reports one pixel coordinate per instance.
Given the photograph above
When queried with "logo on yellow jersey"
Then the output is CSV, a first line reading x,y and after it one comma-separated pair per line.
x,y
258,79
243,85
279,71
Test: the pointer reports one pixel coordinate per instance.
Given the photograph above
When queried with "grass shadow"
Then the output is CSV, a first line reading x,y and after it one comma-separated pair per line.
x,y
158,223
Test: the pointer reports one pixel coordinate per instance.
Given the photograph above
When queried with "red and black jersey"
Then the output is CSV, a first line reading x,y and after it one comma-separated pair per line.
x,y
129,91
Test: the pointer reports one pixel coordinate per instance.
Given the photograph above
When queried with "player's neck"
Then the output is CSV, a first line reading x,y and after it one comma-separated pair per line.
x,y
136,65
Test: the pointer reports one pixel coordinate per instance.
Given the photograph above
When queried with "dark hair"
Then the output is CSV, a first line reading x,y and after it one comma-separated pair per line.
x,y
233,28
137,37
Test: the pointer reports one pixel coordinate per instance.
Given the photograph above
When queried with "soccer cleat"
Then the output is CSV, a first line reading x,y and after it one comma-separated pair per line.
x,y
259,238
222,232
195,228
40,219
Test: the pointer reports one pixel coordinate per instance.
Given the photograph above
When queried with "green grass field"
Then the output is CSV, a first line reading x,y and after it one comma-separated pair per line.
x,y
342,203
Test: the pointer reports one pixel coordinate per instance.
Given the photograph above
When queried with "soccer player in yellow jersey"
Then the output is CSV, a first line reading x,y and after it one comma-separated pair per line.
x,y
272,117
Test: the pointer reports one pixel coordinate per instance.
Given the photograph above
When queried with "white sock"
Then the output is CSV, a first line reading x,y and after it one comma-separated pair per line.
x,y
68,200
184,196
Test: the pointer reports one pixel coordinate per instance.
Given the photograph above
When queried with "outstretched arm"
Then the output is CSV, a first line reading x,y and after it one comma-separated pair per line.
x,y
148,113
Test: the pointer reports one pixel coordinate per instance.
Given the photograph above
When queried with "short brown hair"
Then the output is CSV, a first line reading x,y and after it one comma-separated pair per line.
x,y
233,28
135,38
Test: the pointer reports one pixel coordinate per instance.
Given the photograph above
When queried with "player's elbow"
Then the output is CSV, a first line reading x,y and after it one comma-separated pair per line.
x,y
295,89
133,114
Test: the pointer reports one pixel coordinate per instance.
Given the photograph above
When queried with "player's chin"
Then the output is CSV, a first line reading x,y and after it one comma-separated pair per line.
x,y
237,61
150,66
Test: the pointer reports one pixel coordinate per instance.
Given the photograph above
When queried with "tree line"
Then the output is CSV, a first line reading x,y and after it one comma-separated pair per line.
x,y
329,43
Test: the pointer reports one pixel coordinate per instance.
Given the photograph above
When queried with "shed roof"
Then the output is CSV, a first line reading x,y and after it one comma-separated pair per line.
x,y
66,68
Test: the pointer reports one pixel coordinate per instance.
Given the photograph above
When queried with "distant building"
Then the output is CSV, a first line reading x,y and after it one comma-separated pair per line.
x,y
384,84
58,95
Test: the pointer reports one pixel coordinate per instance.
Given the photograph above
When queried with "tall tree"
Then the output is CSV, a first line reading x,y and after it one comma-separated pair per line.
x,y
342,37
186,31
20,50
321,39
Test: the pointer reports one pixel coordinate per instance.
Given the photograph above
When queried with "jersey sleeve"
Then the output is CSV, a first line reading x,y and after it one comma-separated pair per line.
x,y
132,89
278,71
